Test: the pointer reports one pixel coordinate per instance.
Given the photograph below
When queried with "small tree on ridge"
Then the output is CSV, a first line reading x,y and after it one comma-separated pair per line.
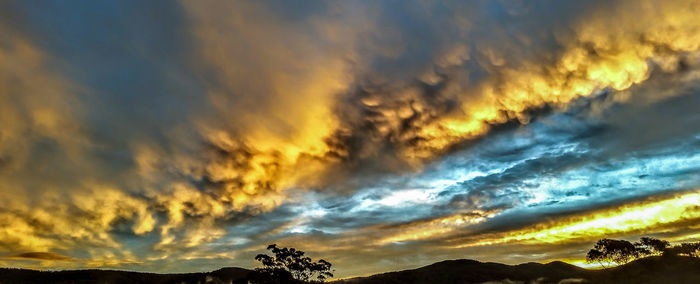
x,y
650,246
289,264
609,250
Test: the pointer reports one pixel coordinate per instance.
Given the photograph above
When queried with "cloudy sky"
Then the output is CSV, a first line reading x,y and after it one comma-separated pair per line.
x,y
177,136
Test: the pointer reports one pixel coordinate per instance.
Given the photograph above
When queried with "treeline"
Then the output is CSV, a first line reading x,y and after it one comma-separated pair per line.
x,y
622,251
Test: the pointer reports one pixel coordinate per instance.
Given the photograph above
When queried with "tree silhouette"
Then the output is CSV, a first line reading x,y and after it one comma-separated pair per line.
x,y
650,246
621,251
609,250
686,249
290,265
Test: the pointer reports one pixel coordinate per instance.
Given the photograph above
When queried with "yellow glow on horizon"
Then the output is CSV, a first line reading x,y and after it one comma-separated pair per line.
x,y
635,217
687,237
580,262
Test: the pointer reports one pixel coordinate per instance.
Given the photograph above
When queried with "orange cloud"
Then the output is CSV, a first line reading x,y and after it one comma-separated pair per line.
x,y
40,256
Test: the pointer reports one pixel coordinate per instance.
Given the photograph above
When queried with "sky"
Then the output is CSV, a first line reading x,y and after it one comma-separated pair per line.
x,y
181,136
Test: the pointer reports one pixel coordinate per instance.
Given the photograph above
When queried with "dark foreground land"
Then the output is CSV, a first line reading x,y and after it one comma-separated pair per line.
x,y
225,275
656,269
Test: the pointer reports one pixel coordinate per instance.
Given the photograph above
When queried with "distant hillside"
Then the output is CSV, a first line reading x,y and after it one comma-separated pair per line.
x,y
656,269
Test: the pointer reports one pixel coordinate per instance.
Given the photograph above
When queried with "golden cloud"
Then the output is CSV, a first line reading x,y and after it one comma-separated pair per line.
x,y
648,216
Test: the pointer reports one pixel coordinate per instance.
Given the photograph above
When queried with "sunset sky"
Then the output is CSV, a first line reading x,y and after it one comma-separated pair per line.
x,y
181,136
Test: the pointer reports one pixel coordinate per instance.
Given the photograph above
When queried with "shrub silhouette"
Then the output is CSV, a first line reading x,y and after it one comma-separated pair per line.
x,y
289,265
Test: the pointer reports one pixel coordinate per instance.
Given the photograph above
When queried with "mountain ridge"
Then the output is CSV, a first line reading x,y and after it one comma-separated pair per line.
x,y
654,269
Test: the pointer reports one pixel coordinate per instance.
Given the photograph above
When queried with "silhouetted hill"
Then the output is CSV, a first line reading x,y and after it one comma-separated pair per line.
x,y
472,271
657,269
224,275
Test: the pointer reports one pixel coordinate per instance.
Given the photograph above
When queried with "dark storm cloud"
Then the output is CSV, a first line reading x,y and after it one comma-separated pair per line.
x,y
136,87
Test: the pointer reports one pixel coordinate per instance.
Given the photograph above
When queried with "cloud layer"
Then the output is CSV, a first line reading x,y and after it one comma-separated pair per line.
x,y
143,135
